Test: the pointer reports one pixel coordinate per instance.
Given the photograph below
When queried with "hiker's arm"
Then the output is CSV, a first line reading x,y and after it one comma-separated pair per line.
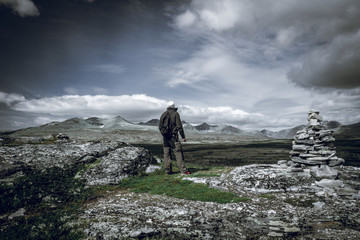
x,y
179,126
160,121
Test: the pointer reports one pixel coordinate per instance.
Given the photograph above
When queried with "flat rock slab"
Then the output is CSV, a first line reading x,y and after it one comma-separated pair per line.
x,y
324,172
264,178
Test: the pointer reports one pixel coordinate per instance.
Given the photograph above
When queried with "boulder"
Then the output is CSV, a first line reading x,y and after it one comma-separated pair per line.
x,y
60,136
118,164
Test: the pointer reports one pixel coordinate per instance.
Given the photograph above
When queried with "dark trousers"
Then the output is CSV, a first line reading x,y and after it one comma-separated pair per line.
x,y
172,142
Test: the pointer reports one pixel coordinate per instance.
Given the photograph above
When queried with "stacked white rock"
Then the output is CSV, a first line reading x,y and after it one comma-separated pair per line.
x,y
314,145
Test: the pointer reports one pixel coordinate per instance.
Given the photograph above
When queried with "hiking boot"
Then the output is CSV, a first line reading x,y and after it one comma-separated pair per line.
x,y
186,173
169,173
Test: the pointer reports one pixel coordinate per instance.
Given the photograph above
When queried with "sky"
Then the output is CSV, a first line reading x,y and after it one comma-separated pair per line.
x,y
253,64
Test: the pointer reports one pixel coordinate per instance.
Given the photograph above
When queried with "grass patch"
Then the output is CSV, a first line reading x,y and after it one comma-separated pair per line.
x,y
174,186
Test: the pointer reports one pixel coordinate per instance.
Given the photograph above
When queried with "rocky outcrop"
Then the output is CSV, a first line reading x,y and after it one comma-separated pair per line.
x,y
106,162
283,205
118,164
280,178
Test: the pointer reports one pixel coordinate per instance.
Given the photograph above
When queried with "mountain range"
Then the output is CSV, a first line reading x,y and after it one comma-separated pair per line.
x,y
105,124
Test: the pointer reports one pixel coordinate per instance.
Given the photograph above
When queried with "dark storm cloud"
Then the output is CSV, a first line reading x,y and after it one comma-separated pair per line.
x,y
56,50
220,60
24,8
334,66
326,33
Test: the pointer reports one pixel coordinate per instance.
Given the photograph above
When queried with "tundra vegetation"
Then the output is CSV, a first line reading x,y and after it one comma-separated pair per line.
x,y
52,198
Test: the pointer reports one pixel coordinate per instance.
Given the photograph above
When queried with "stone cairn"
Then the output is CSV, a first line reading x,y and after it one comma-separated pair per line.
x,y
314,145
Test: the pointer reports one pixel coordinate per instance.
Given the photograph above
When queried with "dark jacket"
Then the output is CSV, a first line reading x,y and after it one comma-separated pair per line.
x,y
175,121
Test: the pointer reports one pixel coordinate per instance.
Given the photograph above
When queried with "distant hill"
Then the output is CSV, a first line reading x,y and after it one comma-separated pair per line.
x,y
204,127
102,124
93,123
332,124
282,134
230,130
188,126
152,122
291,132
351,131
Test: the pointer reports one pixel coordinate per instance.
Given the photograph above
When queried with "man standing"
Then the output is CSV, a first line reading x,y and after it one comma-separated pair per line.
x,y
170,125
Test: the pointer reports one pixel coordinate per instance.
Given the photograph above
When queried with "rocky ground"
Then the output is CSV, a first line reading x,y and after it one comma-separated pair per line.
x,y
284,202
107,161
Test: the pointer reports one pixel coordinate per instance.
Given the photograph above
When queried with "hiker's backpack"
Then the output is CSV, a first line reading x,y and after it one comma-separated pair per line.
x,y
165,124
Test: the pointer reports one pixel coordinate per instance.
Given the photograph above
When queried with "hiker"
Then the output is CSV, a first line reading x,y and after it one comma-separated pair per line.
x,y
170,125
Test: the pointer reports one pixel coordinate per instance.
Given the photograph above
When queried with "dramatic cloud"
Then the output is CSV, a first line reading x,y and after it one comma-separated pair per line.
x,y
71,90
221,115
282,113
10,98
218,71
24,8
335,65
107,68
44,120
335,106
185,19
251,63
287,20
133,107
327,37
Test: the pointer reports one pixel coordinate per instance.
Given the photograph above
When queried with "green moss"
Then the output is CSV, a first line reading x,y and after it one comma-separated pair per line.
x,y
174,186
91,165
51,198
46,225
